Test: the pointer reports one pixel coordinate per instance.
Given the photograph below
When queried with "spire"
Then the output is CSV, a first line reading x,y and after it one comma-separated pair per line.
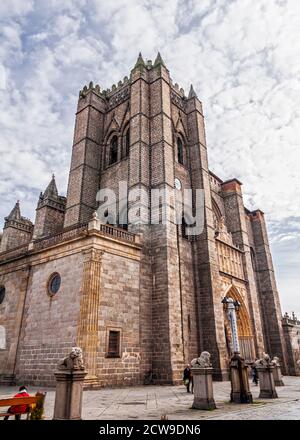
x,y
140,62
51,190
192,93
159,61
15,213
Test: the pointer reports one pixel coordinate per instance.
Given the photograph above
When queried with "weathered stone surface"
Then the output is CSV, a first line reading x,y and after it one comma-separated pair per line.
x,y
203,388
266,382
68,395
160,291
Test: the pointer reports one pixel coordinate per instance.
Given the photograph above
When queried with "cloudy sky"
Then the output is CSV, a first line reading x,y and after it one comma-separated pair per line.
x,y
243,58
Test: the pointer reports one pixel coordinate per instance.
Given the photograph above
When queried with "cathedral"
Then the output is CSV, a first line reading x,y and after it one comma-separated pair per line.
x,y
140,299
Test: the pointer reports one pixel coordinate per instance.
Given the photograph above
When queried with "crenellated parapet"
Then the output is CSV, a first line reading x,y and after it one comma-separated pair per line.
x,y
120,92
17,221
86,89
17,230
293,320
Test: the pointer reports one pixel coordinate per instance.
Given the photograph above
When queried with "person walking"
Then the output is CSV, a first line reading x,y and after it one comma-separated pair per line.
x,y
187,378
17,410
254,374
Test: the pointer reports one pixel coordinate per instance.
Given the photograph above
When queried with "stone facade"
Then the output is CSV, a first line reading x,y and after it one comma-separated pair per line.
x,y
291,331
141,298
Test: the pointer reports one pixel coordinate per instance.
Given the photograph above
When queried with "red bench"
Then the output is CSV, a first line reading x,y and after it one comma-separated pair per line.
x,y
38,400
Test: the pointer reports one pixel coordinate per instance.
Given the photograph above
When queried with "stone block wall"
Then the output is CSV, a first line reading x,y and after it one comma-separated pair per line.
x,y
269,297
119,310
166,300
291,332
15,280
48,221
49,325
13,237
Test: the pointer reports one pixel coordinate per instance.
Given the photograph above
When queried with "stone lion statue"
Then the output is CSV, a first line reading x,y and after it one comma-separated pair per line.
x,y
203,361
265,361
275,361
73,361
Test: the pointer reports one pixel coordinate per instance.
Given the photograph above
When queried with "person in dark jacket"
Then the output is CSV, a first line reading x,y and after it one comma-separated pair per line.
x,y
187,378
254,374
17,410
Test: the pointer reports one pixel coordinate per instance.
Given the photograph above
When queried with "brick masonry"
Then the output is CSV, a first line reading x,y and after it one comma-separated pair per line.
x,y
161,291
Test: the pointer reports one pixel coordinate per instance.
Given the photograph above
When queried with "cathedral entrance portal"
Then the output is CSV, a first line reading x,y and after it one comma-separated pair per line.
x,y
245,335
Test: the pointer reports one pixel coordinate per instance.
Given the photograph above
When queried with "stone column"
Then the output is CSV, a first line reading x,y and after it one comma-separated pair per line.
x,y
240,390
87,337
203,388
266,382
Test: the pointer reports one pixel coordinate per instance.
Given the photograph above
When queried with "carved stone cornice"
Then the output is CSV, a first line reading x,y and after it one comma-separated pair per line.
x,y
177,100
92,254
119,97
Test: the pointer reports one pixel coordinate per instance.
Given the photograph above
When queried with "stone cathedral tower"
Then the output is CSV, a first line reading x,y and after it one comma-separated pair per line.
x,y
139,297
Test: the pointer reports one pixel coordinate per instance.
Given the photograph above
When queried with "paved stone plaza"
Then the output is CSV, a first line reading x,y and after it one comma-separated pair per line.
x,y
150,402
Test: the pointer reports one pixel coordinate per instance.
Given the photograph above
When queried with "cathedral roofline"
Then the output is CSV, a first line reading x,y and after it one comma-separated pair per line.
x,y
215,176
256,213
15,219
234,179
140,64
51,197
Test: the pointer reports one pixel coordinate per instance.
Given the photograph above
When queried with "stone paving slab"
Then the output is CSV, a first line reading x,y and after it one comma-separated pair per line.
x,y
150,402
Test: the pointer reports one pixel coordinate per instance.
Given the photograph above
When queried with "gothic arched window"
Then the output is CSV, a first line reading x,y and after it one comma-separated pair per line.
x,y
127,142
113,154
180,151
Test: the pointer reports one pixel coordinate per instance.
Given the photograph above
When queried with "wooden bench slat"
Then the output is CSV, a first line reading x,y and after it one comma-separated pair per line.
x,y
19,401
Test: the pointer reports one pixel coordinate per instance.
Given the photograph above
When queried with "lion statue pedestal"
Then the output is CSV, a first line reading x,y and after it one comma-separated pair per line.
x,y
265,369
69,377
203,386
277,372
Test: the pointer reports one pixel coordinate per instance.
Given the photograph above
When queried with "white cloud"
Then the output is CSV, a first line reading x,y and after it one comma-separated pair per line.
x,y
15,8
2,77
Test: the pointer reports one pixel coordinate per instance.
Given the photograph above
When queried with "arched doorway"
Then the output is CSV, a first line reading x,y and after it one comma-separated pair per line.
x,y
245,335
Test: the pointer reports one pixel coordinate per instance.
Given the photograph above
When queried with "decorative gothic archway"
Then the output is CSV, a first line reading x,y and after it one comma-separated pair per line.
x,y
245,335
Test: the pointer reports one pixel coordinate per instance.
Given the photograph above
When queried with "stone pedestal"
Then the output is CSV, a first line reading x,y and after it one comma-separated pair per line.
x,y
203,388
278,376
68,396
266,382
240,390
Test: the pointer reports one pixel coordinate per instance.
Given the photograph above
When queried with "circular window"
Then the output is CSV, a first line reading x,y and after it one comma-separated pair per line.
x,y
2,294
54,284
177,184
